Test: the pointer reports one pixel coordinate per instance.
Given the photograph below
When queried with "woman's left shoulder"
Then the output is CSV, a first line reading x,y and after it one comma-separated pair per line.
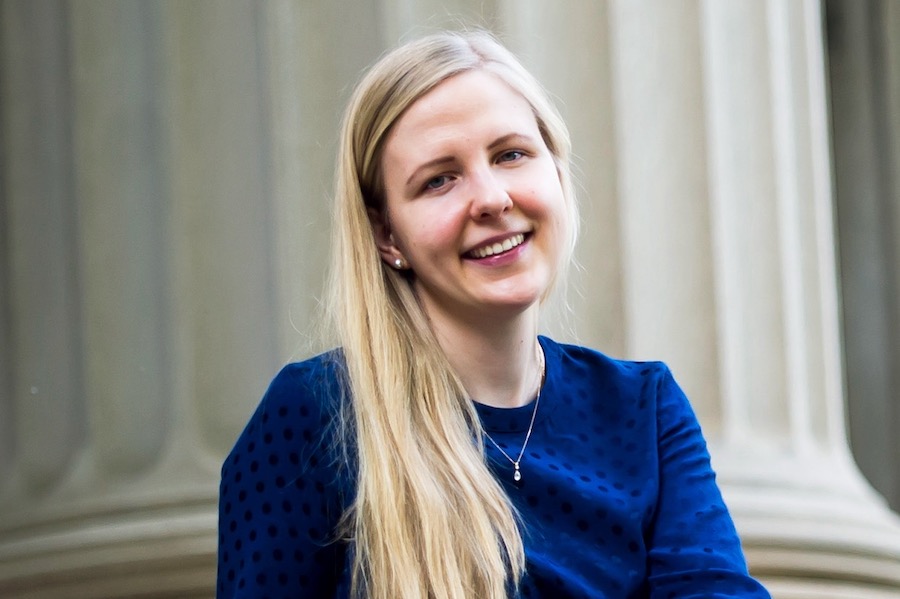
x,y
576,363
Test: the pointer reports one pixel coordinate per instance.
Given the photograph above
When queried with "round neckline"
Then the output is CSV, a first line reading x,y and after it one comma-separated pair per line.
x,y
514,420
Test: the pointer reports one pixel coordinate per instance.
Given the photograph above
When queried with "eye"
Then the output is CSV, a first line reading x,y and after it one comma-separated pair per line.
x,y
510,156
436,182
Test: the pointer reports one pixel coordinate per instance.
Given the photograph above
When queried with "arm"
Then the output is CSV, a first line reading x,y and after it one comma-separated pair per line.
x,y
280,499
694,550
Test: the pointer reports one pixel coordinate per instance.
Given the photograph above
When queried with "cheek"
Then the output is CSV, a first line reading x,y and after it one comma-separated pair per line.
x,y
548,199
556,216
430,231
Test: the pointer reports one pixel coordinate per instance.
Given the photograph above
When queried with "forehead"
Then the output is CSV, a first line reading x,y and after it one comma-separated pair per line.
x,y
474,102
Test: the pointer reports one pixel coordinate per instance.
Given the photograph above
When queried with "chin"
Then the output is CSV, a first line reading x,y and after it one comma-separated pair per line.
x,y
513,305
522,294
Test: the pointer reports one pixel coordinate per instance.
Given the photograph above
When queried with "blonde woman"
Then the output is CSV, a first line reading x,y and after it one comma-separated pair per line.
x,y
447,451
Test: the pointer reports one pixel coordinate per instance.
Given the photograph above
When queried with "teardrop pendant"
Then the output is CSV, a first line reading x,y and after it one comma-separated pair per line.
x,y
517,476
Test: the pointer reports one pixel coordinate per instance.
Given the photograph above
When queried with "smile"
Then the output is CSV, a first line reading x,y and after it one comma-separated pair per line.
x,y
499,247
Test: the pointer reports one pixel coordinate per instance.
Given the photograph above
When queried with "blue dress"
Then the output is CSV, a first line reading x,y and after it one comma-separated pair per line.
x,y
617,498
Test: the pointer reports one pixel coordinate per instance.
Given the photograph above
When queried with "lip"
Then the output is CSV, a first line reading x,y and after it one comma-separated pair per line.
x,y
496,239
505,258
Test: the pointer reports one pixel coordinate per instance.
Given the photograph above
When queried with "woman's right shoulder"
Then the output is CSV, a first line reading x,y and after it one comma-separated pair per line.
x,y
284,487
315,384
299,414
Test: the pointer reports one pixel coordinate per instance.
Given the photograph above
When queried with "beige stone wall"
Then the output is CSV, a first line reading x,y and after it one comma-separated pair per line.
x,y
165,177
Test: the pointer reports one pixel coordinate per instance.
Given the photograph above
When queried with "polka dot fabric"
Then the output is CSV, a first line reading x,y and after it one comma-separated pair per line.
x,y
617,498
284,488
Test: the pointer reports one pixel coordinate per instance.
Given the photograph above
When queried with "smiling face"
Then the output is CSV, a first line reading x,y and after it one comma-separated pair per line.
x,y
473,200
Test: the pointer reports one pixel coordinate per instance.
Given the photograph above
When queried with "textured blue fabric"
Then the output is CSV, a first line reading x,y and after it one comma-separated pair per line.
x,y
617,497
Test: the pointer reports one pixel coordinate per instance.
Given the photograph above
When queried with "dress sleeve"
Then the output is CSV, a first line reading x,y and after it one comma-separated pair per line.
x,y
694,550
280,500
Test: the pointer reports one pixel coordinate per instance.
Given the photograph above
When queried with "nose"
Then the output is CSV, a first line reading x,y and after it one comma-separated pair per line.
x,y
489,195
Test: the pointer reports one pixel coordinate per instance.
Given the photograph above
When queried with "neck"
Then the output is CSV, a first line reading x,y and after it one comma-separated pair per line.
x,y
499,362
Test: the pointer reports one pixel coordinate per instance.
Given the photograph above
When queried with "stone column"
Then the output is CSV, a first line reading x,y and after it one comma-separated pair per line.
x,y
729,266
164,225
864,46
311,75
140,292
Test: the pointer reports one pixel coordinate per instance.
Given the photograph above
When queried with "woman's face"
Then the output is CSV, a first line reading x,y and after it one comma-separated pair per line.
x,y
474,203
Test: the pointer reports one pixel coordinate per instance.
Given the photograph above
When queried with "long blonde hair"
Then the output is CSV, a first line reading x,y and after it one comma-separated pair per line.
x,y
428,520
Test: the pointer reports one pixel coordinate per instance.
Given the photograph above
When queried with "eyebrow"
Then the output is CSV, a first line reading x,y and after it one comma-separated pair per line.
x,y
505,139
502,140
430,164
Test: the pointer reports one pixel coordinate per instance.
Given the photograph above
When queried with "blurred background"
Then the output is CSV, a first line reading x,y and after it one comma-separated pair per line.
x,y
165,175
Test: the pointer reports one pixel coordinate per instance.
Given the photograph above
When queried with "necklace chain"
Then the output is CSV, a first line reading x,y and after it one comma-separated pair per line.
x,y
517,474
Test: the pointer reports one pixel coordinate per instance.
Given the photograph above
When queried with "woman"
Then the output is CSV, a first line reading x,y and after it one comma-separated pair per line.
x,y
445,450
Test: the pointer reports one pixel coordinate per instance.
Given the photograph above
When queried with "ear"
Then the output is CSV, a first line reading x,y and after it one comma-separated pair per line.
x,y
384,241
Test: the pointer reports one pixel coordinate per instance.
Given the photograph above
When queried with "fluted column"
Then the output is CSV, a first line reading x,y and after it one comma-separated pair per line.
x,y
865,90
728,246
140,289
311,77
164,222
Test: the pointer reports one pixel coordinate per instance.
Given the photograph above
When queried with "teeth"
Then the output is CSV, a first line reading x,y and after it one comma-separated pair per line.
x,y
499,247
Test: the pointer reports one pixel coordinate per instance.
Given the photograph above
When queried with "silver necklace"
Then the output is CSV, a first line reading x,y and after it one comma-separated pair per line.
x,y
517,474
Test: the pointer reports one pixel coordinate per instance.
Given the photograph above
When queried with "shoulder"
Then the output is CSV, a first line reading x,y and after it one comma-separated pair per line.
x,y
616,388
296,421
284,487
585,365
312,388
